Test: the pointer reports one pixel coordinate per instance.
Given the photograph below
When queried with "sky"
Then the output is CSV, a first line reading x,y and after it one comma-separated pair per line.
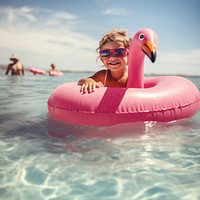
x,y
67,32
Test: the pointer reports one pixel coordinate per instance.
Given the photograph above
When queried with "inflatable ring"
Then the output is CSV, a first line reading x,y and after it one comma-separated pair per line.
x,y
37,71
163,99
55,73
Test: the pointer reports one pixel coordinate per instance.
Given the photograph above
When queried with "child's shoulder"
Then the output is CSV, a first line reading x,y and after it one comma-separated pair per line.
x,y
101,72
100,75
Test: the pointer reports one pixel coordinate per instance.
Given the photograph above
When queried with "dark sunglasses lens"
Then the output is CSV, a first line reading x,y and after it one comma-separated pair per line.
x,y
105,54
120,52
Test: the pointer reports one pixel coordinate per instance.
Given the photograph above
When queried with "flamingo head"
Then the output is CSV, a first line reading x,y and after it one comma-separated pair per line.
x,y
147,40
144,42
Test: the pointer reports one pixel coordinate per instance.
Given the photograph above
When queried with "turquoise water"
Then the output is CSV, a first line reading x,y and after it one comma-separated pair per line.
x,y
41,158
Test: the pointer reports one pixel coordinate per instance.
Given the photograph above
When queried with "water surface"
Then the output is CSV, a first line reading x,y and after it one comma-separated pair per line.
x,y
41,158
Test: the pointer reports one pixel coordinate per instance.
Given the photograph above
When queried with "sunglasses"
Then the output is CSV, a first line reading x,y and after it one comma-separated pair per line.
x,y
107,53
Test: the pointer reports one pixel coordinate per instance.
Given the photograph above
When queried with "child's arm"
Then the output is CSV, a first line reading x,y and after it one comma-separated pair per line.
x,y
90,83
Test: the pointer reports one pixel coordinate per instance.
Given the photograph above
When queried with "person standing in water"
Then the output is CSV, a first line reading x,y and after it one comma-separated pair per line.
x,y
15,67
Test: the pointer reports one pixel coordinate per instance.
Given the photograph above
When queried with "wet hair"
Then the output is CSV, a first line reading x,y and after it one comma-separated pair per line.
x,y
115,35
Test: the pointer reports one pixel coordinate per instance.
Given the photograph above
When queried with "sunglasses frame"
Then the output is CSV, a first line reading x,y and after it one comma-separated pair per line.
x,y
112,52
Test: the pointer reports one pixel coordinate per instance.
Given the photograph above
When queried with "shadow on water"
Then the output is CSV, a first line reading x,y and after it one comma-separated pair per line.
x,y
49,135
122,137
65,131
57,129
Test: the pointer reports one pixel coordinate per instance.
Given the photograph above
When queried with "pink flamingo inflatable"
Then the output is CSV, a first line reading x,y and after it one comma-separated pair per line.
x,y
55,73
163,99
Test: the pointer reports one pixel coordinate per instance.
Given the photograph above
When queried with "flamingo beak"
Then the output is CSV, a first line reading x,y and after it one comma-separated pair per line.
x,y
150,50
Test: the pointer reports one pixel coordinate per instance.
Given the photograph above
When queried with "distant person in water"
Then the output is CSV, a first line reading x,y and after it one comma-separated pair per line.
x,y
54,72
15,67
53,68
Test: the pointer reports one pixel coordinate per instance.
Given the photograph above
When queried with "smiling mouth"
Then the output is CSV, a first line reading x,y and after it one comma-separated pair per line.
x,y
114,63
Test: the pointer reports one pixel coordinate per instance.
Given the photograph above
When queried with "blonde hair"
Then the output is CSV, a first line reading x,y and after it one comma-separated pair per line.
x,y
115,35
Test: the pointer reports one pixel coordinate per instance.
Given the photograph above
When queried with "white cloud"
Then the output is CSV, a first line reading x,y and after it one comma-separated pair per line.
x,y
48,34
115,11
13,15
41,36
175,63
64,15
59,18
189,57
27,13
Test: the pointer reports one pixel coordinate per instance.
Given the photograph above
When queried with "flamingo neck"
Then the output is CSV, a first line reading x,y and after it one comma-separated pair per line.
x,y
135,67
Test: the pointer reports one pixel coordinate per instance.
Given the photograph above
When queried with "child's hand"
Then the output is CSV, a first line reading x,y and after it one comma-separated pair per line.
x,y
88,85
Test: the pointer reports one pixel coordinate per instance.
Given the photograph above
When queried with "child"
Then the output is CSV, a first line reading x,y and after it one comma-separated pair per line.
x,y
113,52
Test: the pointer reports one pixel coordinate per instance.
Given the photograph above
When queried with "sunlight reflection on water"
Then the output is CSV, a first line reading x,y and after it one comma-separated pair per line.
x,y
42,158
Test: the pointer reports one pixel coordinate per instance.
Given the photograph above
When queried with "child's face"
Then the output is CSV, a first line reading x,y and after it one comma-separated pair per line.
x,y
114,63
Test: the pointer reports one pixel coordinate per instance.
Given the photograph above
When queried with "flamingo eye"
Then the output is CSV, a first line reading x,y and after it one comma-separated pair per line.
x,y
141,36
